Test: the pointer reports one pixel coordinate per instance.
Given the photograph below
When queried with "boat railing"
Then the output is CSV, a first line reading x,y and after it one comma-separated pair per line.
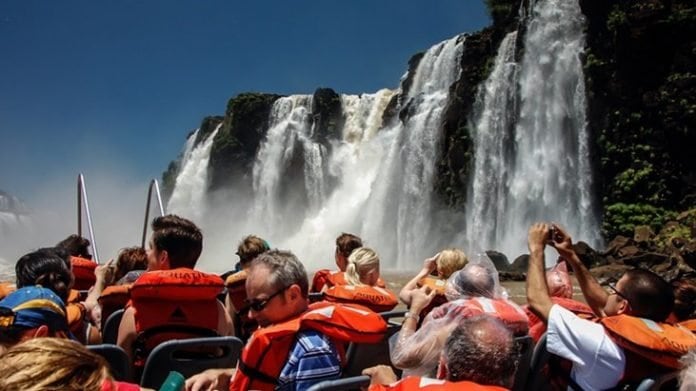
x,y
82,200
153,188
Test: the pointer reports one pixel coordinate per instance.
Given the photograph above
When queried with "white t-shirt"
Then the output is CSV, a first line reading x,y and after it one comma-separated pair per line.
x,y
598,362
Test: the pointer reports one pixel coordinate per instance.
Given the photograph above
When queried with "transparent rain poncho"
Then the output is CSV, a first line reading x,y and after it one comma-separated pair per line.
x,y
418,353
558,280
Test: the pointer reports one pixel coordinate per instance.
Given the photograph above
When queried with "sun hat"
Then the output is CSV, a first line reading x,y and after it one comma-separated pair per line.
x,y
31,307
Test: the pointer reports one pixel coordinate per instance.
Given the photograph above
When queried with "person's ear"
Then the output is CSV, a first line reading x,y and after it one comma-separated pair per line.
x,y
41,331
623,307
164,259
294,292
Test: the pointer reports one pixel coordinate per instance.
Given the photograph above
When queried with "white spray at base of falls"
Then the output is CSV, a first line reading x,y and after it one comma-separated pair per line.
x,y
536,166
188,197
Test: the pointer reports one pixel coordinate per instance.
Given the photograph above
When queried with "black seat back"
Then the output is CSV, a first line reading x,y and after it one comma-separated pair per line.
x,y
180,355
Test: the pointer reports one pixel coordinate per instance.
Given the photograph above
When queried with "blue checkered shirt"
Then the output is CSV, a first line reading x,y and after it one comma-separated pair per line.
x,y
313,358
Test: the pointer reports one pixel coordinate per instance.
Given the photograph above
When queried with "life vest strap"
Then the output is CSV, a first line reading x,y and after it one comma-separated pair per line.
x,y
254,373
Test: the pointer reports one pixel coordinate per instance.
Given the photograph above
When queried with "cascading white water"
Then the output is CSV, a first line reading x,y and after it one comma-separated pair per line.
x,y
399,210
540,171
188,197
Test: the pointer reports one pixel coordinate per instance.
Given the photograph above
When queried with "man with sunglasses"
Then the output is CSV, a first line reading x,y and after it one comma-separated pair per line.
x,y
277,292
627,342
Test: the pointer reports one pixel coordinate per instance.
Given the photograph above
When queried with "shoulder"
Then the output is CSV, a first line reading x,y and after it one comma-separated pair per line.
x,y
313,341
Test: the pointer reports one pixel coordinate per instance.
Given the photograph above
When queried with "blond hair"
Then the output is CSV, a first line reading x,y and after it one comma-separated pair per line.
x,y
450,260
52,364
361,262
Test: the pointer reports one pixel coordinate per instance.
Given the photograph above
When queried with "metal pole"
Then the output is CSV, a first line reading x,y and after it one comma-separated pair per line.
x,y
82,197
153,185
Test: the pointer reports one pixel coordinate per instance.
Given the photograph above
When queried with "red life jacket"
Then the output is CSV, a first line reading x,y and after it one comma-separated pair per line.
x,y
236,291
508,312
173,304
537,328
413,383
329,278
375,298
266,352
83,270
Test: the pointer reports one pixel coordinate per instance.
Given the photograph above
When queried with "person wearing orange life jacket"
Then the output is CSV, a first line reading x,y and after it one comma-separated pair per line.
x,y
50,267
471,291
248,249
283,354
444,264
561,291
628,342
362,275
81,261
479,354
345,244
174,248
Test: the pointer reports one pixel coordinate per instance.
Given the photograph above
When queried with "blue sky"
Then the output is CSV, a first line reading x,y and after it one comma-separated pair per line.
x,y
115,86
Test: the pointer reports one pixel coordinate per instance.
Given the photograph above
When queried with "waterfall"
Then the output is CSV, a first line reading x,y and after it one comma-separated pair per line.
x,y
188,197
530,159
17,232
535,166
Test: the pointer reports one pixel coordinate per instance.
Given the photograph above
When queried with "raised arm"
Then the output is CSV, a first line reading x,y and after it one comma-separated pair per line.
x,y
428,266
595,295
537,291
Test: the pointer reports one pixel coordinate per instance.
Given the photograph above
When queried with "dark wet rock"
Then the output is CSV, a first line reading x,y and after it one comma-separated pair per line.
x,y
327,114
609,272
589,256
512,276
520,264
499,260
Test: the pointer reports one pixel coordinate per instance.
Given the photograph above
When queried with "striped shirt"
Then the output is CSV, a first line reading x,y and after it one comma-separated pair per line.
x,y
313,358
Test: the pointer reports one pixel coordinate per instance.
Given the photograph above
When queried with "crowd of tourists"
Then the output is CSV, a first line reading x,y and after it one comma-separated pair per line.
x,y
459,329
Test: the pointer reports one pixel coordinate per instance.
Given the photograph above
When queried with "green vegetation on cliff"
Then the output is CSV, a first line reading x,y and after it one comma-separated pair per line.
x,y
642,95
236,143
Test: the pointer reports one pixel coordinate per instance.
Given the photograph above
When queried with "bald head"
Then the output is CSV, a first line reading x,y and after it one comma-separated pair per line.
x,y
481,349
474,280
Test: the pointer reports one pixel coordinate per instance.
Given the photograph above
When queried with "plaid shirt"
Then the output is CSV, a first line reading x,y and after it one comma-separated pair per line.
x,y
313,358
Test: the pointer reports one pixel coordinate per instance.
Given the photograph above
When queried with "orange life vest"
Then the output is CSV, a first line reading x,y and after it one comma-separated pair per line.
x,y
6,288
651,348
413,383
375,298
329,278
173,304
434,283
266,352
112,299
662,343
689,325
236,291
83,270
508,312
537,328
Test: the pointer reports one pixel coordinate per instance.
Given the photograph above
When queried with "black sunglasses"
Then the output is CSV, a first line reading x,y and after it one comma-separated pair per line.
x,y
259,304
612,288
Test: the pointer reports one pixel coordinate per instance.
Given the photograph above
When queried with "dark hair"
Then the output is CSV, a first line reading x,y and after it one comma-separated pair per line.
x,y
250,247
285,270
180,238
482,350
684,299
346,243
129,259
648,295
47,268
76,245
